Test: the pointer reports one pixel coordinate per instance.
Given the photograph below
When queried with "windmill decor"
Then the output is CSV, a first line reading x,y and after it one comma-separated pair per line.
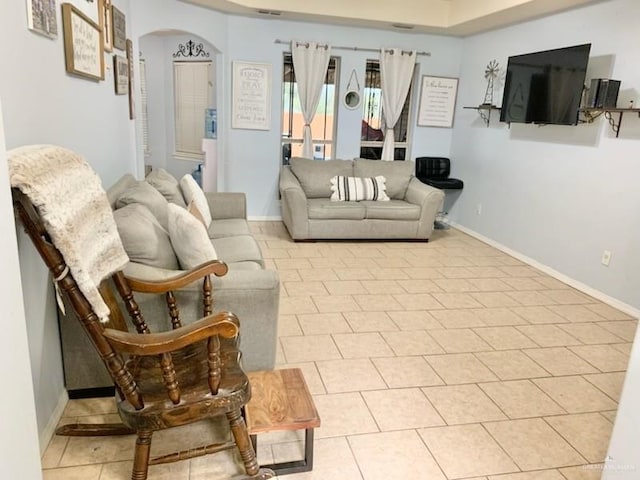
x,y
490,73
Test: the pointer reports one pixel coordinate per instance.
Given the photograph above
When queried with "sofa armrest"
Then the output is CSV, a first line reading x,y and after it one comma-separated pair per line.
x,y
227,205
430,200
294,205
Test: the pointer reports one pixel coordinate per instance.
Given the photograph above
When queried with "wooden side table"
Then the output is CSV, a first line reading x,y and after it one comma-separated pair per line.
x,y
281,401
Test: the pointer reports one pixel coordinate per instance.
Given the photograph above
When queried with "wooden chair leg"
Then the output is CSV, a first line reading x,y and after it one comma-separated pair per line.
x,y
241,437
141,457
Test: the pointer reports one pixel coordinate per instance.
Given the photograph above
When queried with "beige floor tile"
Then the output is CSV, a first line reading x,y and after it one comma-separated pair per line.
x,y
624,348
332,458
171,471
297,289
455,272
610,415
323,323
609,383
463,404
537,475
575,394
605,358
559,361
504,338
401,409
625,329
309,348
89,406
381,287
370,321
460,368
590,333
533,444
317,274
288,326
453,285
327,262
421,273
53,453
335,303
399,372
548,335
568,297
92,450
389,273
511,365
495,299
418,286
85,472
296,305
531,298
292,263
519,271
418,301
466,451
362,345
377,303
460,340
551,283
359,273
489,285
502,316
521,399
415,320
462,318
576,313
222,465
446,261
486,272
343,414
539,315
341,376
416,342
486,261
583,472
457,300
393,262
383,456
608,312
523,284
588,433
344,287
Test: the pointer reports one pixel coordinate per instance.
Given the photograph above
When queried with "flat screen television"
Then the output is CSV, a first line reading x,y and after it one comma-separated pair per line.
x,y
545,87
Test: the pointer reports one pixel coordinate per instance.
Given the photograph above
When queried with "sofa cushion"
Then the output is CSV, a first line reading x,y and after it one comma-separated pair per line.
x,y
118,188
193,210
397,174
167,185
324,208
315,175
189,238
143,238
358,188
228,227
193,193
240,248
148,196
392,210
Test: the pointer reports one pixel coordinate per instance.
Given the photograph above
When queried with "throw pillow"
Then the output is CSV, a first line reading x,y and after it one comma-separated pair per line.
x,y
143,238
355,189
193,210
193,193
189,238
148,196
167,185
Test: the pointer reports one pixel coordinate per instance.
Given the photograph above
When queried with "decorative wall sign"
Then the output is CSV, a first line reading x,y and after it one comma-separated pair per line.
x,y
106,23
119,29
191,49
437,101
211,123
251,96
132,109
121,74
83,49
41,17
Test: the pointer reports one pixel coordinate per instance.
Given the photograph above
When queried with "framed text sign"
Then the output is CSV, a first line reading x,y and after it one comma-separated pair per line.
x,y
437,101
83,47
251,96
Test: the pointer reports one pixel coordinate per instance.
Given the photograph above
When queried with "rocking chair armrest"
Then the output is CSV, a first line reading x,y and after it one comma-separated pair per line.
x,y
215,267
225,324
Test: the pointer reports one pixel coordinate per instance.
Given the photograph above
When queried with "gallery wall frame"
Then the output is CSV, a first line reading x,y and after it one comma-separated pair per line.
x,y
106,23
121,74
83,46
119,30
251,96
131,88
437,101
42,17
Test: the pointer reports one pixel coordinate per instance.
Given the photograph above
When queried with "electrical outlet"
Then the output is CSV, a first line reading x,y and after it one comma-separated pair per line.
x,y
479,209
606,258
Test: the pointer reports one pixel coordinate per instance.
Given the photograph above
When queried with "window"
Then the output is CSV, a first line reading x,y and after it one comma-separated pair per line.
x,y
323,124
143,109
373,122
192,95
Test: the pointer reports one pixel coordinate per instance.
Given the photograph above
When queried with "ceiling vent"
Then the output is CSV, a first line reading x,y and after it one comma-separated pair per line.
x,y
402,26
270,12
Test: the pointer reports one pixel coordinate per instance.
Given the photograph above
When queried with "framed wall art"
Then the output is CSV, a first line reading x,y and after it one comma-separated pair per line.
x,y
119,30
41,17
106,23
130,60
437,101
121,74
83,49
251,96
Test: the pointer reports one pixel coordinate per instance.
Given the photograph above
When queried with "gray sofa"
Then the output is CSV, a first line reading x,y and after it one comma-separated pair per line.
x,y
248,290
309,213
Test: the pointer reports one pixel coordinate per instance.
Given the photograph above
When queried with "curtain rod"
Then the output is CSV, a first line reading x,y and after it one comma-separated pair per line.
x,y
356,49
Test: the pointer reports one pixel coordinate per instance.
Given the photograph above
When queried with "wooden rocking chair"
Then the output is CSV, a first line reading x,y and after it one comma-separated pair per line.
x,y
162,380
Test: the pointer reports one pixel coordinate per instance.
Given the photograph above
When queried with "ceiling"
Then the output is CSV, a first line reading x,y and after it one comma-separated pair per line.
x,y
448,17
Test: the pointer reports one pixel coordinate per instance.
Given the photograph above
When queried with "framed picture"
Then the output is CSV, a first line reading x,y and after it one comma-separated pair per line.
x,y
437,101
211,123
106,23
119,30
41,17
130,60
121,74
83,49
251,96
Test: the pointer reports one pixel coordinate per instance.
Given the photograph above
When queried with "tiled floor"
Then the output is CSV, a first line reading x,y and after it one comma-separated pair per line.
x,y
439,360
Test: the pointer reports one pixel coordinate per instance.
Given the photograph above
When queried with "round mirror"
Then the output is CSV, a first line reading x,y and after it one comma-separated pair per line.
x,y
352,99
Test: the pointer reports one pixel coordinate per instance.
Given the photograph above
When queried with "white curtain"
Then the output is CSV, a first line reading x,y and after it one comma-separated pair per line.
x,y
310,62
396,71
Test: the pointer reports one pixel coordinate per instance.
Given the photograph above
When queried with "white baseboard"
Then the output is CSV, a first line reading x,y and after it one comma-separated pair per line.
x,y
614,302
253,218
50,429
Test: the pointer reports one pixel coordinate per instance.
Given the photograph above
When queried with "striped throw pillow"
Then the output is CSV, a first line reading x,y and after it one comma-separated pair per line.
x,y
355,189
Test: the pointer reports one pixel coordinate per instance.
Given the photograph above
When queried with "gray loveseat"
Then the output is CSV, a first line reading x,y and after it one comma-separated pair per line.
x,y
248,289
309,213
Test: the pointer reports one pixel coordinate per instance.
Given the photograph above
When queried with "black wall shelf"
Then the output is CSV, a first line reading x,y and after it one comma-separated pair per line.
x,y
484,110
591,114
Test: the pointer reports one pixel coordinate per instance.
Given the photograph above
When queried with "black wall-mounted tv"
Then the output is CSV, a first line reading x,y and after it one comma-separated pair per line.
x,y
545,87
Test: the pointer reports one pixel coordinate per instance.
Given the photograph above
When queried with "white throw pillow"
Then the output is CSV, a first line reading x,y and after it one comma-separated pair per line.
x,y
193,193
355,189
189,238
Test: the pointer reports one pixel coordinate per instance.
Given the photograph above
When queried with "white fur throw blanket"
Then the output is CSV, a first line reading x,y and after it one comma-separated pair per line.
x,y
75,211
